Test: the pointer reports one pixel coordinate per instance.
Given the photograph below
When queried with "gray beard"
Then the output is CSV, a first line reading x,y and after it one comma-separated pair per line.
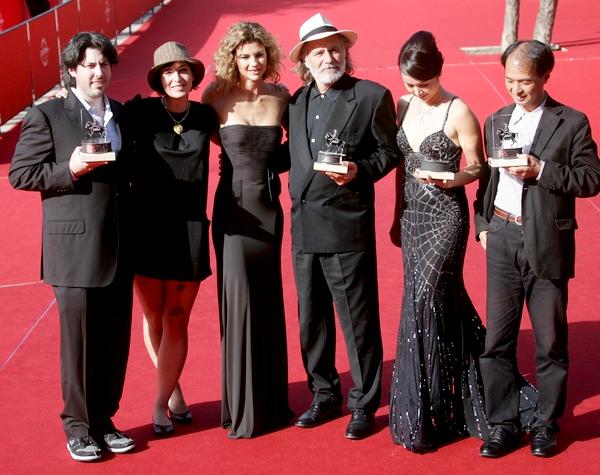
x,y
329,77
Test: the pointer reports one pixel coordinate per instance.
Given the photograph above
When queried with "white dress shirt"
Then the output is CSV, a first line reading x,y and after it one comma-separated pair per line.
x,y
510,187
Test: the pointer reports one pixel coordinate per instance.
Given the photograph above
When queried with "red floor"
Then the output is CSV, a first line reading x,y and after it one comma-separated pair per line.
x,y
31,440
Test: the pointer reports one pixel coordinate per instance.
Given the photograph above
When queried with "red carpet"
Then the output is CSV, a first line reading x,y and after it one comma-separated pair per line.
x,y
31,439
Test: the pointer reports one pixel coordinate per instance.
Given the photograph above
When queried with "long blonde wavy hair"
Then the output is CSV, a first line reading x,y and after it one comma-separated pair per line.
x,y
226,73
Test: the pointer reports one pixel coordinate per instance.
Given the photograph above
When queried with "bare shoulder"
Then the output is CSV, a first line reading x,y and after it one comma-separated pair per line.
x,y
459,108
461,114
280,91
210,94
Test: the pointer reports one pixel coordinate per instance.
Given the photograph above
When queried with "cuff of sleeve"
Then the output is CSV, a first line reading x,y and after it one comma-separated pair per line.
x,y
539,175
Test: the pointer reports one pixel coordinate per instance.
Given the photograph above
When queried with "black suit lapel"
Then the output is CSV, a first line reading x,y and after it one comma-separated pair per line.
x,y
298,118
549,122
73,108
343,108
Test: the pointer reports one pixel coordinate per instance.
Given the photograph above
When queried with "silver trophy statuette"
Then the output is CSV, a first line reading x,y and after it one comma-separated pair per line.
x,y
331,155
505,144
95,144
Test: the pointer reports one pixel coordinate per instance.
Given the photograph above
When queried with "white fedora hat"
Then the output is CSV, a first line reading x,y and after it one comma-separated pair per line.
x,y
316,27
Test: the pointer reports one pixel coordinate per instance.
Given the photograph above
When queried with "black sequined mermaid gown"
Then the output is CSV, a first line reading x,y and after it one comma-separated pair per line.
x,y
436,391
247,233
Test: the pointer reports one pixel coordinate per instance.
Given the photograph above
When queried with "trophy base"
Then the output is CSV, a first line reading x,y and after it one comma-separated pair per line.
x,y
507,162
507,157
97,157
331,167
434,175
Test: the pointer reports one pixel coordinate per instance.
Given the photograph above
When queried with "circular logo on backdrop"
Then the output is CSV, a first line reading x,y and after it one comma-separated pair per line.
x,y
44,52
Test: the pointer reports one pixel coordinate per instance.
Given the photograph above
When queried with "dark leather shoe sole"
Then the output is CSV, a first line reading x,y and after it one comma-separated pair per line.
x,y
543,452
494,451
543,442
359,428
358,433
324,416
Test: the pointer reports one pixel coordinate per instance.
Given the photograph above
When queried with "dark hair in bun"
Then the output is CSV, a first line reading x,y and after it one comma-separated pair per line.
x,y
420,57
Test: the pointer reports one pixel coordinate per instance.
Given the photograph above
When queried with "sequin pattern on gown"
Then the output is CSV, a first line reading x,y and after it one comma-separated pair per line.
x,y
436,392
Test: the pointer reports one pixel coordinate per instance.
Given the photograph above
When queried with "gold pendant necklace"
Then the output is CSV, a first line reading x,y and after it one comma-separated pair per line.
x,y
177,124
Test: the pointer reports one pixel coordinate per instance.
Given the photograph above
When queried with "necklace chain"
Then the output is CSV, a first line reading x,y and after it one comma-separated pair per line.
x,y
177,124
423,114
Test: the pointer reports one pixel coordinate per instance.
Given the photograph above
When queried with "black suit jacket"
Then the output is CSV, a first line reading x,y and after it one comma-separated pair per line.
x,y
327,217
572,169
83,221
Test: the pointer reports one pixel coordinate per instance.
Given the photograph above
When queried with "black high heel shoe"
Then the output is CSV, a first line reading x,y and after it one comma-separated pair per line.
x,y
181,417
162,430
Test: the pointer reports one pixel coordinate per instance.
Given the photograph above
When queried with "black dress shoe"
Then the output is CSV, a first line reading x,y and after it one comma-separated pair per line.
x,y
318,413
360,425
500,442
543,441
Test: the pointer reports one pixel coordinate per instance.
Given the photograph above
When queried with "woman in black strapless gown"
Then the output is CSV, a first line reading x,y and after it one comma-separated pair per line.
x,y
247,232
436,391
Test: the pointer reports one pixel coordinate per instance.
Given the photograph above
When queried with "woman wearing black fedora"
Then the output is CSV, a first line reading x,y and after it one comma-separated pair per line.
x,y
169,186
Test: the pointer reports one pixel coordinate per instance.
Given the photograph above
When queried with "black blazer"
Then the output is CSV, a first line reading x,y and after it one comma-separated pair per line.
x,y
572,169
83,221
331,218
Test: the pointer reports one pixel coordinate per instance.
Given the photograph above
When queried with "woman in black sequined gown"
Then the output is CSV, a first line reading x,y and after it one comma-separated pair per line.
x,y
247,232
436,392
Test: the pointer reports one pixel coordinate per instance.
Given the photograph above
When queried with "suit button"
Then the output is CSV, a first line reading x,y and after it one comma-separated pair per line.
x,y
303,201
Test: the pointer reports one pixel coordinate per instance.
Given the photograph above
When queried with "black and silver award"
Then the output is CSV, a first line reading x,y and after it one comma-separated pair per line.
x,y
95,144
506,149
331,155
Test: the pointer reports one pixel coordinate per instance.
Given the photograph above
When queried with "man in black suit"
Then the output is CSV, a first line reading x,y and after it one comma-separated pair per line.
x,y
527,226
333,228
84,249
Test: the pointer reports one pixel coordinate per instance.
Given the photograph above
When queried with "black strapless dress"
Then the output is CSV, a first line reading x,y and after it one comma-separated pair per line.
x,y
436,392
247,232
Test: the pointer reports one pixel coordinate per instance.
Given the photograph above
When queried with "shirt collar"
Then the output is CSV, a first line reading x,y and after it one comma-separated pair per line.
x,y
523,112
331,93
106,114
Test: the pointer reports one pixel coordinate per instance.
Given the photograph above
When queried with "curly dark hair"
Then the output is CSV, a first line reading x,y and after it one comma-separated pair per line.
x,y
75,49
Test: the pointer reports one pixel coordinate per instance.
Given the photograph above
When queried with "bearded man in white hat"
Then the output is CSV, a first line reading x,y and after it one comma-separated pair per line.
x,y
333,225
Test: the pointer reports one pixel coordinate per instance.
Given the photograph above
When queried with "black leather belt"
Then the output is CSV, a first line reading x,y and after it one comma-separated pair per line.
x,y
507,216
